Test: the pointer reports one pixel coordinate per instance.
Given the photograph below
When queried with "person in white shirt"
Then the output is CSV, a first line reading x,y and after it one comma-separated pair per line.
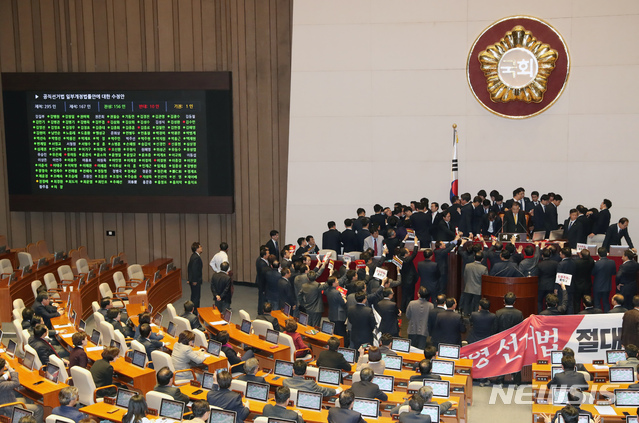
x,y
220,257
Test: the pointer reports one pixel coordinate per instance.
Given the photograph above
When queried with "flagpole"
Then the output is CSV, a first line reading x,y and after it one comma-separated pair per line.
x,y
454,177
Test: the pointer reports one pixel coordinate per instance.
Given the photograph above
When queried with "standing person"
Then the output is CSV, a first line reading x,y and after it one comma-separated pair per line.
x,y
448,325
567,265
222,288
428,273
331,238
261,266
336,306
310,297
348,238
9,382
574,230
582,280
472,283
482,322
220,257
506,318
285,290
603,271
547,274
627,278
361,318
603,218
418,312
272,277
615,232
408,273
194,273
630,325
389,313
441,258
272,244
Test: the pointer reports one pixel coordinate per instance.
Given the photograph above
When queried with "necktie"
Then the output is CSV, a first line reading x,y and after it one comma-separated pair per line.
x,y
51,346
570,225
515,218
375,246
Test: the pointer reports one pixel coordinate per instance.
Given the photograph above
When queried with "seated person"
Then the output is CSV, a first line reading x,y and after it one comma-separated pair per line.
x,y
149,344
227,399
189,308
426,392
631,360
301,349
102,372
282,395
416,403
300,383
184,356
344,413
201,411
68,398
114,315
9,384
569,413
266,315
105,305
365,388
635,385
569,351
424,372
331,358
373,360
569,377
385,342
27,315
575,398
429,353
251,366
42,346
137,411
146,318
227,349
164,377
78,357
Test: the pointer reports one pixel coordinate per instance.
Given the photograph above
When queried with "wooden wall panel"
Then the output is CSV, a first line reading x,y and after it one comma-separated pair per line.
x,y
250,38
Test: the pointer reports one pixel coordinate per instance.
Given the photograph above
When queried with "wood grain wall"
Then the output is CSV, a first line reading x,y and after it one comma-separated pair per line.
x,y
251,38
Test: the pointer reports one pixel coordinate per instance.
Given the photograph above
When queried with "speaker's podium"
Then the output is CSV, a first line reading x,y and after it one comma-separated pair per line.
x,y
495,287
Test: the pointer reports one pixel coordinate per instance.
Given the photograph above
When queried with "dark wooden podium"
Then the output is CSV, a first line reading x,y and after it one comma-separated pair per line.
x,y
494,288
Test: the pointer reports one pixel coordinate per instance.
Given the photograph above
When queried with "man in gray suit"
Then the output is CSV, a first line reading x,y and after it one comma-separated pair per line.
x,y
282,395
298,382
164,378
472,284
418,313
310,297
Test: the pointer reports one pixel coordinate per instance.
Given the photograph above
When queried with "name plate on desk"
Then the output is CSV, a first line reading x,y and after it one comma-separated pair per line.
x,y
463,371
542,378
141,293
599,380
99,348
542,361
458,389
599,362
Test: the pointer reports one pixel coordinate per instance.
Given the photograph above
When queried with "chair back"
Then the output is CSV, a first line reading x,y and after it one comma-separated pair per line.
x,y
33,250
260,419
288,341
34,287
312,372
95,306
63,375
25,259
123,257
154,399
118,280
137,345
244,315
107,332
65,273
356,377
43,250
6,267
105,290
17,315
161,359
74,255
293,396
172,313
37,363
3,241
54,418
135,272
83,380
260,326
200,338
97,319
414,386
21,341
119,337
83,252
50,282
238,386
18,304
181,324
82,266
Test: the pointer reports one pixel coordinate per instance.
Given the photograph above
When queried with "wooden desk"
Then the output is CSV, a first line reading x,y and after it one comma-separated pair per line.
x,y
279,352
82,298
540,389
545,370
101,411
618,417
158,264
160,293
317,341
462,365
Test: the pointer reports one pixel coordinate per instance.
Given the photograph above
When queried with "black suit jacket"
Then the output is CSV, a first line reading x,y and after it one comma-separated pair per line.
x,y
575,233
174,392
583,274
482,325
466,219
602,223
618,309
568,378
272,249
228,400
271,280
369,390
506,269
331,240
448,328
361,236
541,218
361,318
509,222
194,271
379,220
221,285
344,415
44,312
428,274
485,224
603,271
389,313
446,231
421,222
547,274
286,292
334,360
507,317
252,378
614,235
102,372
413,417
274,410
260,267
553,217
350,242
193,320
43,349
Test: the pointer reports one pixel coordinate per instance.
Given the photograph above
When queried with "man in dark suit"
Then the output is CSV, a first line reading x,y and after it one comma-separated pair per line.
x,y
331,357
582,280
286,292
508,316
552,301
446,229
573,229
415,415
409,274
616,232
421,223
194,273
362,318
541,217
553,213
227,399
603,271
271,281
603,218
630,324
617,304
273,244
221,288
261,265
344,413
150,345
310,297
164,376
466,218
358,221
448,325
266,316
41,345
589,307
336,306
279,410
569,377
441,258
515,220
331,239
546,274
498,206
490,224
428,273
439,307
42,308
627,278
363,233
506,268
567,265
519,197
424,368
482,322
389,313
189,308
378,219
365,388
349,237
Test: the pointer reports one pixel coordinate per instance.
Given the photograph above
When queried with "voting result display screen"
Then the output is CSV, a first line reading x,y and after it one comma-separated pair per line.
x,y
131,142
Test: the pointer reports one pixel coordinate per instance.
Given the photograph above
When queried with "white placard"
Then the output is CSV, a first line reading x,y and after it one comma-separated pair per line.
x,y
347,259
565,278
380,273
